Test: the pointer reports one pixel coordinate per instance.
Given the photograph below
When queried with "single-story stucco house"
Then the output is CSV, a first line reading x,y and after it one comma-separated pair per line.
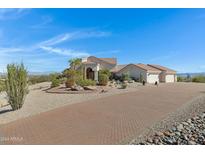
x,y
149,73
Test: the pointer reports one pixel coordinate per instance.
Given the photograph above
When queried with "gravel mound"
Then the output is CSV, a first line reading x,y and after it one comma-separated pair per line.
x,y
189,132
184,126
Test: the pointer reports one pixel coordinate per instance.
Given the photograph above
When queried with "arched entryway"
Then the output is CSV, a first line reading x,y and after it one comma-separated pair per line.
x,y
89,73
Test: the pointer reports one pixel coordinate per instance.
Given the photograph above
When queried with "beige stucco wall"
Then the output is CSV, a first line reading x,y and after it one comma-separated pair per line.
x,y
133,72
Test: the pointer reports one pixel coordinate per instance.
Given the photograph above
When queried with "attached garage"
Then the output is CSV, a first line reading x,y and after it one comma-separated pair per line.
x,y
137,71
167,75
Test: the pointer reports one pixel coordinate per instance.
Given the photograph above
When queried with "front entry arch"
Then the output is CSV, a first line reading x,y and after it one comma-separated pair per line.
x,y
89,73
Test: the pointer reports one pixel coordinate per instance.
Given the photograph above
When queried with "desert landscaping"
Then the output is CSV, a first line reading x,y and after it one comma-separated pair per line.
x,y
73,108
115,116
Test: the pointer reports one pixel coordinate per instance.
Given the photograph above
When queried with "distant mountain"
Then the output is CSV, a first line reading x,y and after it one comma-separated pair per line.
x,y
191,74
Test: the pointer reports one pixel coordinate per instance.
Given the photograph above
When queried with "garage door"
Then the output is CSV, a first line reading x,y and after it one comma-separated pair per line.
x,y
169,78
152,78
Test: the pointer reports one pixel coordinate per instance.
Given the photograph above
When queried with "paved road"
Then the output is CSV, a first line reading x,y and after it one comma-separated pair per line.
x,y
110,120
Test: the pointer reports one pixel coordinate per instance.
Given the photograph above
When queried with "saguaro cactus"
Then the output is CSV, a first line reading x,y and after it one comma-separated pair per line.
x,y
16,85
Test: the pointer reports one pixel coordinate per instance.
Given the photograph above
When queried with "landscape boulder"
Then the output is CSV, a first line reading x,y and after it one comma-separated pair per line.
x,y
76,88
90,88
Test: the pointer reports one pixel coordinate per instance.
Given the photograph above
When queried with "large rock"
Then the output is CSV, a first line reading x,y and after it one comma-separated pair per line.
x,y
90,88
76,88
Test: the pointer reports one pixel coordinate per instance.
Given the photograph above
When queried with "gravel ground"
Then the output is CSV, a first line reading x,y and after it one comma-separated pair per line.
x,y
38,101
186,126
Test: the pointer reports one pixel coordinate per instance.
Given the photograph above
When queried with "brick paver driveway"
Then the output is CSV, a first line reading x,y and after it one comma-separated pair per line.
x,y
110,120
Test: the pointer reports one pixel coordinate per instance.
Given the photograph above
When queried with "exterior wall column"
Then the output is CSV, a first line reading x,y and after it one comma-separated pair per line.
x,y
96,70
84,73
96,75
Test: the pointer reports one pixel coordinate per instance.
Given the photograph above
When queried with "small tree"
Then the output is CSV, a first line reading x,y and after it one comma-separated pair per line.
x,y
103,79
55,82
106,72
72,76
74,63
16,85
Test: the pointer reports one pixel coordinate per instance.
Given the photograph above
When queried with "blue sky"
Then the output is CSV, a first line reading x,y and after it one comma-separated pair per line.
x,y
44,39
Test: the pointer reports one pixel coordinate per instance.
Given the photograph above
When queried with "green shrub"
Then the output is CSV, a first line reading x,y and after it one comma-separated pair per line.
x,y
199,79
55,82
125,77
106,72
33,79
123,85
69,82
103,79
85,82
62,80
180,79
16,85
2,85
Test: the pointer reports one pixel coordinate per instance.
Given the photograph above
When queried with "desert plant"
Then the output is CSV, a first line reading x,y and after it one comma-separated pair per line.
x,y
72,76
125,77
123,86
69,82
180,79
85,82
74,63
199,79
16,85
106,72
103,79
141,78
55,82
33,79
2,85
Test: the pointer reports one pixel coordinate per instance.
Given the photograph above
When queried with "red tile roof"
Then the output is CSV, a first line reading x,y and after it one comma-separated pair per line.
x,y
148,68
118,68
112,61
162,68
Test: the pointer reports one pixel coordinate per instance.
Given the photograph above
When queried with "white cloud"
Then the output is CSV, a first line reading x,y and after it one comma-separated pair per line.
x,y
66,52
74,35
9,50
58,39
9,13
31,54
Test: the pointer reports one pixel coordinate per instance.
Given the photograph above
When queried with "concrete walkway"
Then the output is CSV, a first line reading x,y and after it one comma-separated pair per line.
x,y
111,120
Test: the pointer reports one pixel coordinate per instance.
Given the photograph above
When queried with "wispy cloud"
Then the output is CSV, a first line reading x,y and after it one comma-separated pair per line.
x,y
48,48
49,44
45,21
66,52
9,50
57,39
73,36
9,13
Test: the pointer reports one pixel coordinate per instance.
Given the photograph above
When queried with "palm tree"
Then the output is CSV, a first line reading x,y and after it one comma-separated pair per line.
x,y
74,63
